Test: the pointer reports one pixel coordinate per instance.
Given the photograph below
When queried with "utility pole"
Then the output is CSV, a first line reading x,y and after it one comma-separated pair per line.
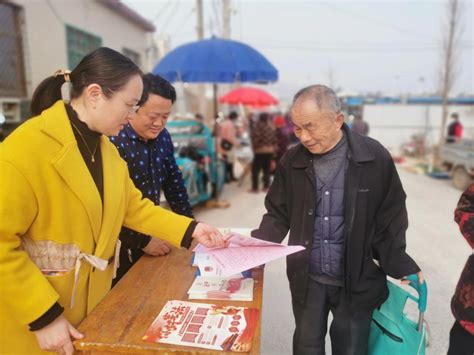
x,y
225,34
200,20
226,17
201,88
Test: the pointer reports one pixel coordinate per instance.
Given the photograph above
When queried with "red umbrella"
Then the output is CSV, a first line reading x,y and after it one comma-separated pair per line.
x,y
248,96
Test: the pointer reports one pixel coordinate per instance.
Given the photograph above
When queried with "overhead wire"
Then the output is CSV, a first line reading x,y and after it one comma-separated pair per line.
x,y
368,19
179,26
355,50
58,17
161,11
170,17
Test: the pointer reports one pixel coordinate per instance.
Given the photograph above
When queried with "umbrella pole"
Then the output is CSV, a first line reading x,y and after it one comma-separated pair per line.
x,y
215,192
214,91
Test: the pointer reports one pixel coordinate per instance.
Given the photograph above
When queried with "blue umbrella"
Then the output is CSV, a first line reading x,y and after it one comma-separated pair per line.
x,y
216,60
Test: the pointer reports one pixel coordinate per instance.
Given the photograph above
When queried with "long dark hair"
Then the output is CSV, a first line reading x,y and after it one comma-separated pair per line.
x,y
104,66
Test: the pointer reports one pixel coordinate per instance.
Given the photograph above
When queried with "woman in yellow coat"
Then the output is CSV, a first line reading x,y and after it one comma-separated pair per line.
x,y
65,193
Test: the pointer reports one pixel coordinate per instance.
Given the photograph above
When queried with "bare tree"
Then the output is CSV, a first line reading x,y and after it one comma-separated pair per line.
x,y
449,69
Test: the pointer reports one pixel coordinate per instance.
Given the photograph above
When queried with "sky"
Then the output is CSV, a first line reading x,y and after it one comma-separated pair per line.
x,y
393,47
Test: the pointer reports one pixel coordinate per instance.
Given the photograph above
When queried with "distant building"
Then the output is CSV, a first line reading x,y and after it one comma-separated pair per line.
x,y
39,37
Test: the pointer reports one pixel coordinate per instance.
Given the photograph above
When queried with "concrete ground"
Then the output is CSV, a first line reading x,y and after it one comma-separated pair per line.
x,y
433,240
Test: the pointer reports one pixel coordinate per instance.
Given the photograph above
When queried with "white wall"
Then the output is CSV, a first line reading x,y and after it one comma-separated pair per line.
x,y
45,37
393,125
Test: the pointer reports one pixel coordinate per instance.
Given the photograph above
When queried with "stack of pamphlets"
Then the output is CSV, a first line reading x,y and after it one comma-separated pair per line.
x,y
235,288
225,328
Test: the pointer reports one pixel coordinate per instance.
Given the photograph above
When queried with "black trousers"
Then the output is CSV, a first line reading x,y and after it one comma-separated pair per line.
x,y
261,162
461,342
229,172
349,330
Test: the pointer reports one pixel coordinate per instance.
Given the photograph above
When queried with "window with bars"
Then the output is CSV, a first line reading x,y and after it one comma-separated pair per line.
x,y
134,56
79,44
12,69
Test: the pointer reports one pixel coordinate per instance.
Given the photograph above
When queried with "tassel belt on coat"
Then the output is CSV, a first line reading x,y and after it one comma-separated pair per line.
x,y
51,256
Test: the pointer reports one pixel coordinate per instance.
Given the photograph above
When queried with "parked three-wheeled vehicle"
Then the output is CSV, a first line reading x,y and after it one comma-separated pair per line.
x,y
195,152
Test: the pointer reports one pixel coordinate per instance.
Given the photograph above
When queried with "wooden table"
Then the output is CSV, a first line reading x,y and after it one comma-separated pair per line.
x,y
119,322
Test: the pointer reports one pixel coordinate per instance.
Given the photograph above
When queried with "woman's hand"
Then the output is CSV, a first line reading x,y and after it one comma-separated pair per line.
x,y
57,335
209,236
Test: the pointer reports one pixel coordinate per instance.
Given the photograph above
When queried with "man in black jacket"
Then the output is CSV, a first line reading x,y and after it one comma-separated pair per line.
x,y
339,195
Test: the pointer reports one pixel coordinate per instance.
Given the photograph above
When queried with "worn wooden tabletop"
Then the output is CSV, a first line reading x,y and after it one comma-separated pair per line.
x,y
119,322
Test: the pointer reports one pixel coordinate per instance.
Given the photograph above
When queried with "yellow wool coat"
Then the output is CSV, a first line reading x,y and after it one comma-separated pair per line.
x,y
48,194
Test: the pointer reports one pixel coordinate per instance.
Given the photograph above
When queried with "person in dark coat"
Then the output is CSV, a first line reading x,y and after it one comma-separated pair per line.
x,y
263,145
281,137
360,126
461,340
339,196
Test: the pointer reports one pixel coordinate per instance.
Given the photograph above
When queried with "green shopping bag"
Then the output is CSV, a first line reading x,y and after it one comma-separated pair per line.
x,y
391,332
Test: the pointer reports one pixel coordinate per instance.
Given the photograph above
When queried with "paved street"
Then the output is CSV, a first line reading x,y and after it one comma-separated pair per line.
x,y
433,240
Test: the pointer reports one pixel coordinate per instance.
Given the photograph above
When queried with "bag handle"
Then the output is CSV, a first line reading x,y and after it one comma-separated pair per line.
x,y
422,299
422,290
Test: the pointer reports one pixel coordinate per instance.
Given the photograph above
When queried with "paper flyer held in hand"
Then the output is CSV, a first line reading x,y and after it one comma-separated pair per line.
x,y
235,288
203,325
242,254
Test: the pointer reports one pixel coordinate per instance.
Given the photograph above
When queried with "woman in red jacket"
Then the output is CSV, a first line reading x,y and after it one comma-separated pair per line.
x,y
462,334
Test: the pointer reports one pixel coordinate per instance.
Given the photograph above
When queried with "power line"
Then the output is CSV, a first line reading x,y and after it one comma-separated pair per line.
x,y
170,17
358,50
179,26
55,12
375,21
353,44
161,11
